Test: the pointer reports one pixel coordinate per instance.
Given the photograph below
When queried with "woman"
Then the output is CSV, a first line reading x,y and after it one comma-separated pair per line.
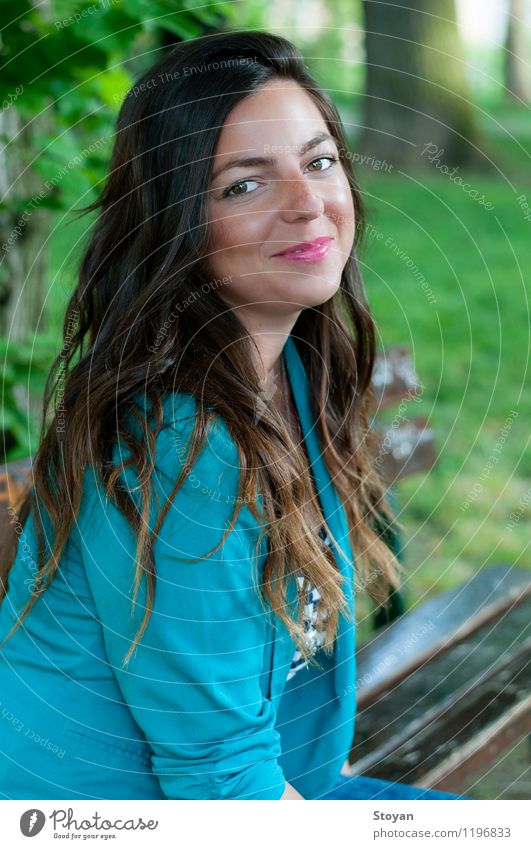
x,y
179,615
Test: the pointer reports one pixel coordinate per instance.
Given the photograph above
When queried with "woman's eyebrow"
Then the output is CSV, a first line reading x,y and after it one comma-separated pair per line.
x,y
253,161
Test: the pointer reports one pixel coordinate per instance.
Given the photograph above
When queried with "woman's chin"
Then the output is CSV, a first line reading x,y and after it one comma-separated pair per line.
x,y
314,292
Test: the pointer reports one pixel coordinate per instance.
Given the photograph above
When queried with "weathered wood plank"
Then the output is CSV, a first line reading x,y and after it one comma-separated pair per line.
x,y
482,750
436,626
14,481
463,694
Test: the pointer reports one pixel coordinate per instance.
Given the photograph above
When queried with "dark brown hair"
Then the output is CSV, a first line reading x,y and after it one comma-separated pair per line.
x,y
147,252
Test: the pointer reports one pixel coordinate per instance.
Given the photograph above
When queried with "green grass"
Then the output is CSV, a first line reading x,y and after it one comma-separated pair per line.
x,y
471,351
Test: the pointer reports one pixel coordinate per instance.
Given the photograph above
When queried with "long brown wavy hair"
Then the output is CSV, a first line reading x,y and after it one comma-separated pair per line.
x,y
148,252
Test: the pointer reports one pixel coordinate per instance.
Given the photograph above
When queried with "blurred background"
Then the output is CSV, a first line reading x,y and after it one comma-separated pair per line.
x,y
435,98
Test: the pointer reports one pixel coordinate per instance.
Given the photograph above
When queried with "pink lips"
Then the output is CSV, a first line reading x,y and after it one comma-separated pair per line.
x,y
308,251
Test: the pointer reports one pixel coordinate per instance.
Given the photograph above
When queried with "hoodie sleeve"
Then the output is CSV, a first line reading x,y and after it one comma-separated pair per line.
x,y
197,683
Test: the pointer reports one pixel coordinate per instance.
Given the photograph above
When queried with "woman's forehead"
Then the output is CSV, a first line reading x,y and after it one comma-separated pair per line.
x,y
282,115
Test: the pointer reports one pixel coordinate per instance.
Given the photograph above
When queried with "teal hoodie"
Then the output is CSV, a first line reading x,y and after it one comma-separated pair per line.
x,y
203,709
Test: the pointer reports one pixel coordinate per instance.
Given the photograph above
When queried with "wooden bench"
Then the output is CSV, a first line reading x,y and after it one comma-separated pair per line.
x,y
444,690
14,481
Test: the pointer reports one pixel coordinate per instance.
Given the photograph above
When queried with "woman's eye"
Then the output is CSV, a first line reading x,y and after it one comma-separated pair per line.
x,y
236,189
230,191
329,159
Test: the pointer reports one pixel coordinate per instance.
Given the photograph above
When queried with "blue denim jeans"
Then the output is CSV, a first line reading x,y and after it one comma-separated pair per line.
x,y
362,787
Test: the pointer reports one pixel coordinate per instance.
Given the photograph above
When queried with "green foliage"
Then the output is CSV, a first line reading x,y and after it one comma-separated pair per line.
x,y
25,366
72,67
66,68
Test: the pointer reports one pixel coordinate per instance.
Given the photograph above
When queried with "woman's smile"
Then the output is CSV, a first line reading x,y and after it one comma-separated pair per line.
x,y
308,252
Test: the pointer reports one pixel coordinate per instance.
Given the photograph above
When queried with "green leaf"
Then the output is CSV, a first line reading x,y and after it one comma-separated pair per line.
x,y
113,86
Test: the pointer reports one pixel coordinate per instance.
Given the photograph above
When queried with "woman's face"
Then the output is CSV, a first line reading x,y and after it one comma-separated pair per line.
x,y
255,210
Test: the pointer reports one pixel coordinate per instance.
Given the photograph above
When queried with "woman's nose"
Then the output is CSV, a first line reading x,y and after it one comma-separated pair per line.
x,y
299,199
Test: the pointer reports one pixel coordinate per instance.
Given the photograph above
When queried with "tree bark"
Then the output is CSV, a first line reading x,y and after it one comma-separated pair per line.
x,y
24,228
517,53
416,91
24,223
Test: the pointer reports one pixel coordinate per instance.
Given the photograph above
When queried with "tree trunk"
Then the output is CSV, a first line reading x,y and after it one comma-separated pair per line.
x,y
24,223
416,91
517,58
24,229
24,233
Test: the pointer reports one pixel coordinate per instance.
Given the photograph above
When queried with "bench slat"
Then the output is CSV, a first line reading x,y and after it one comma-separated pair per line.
x,y
447,703
435,627
482,750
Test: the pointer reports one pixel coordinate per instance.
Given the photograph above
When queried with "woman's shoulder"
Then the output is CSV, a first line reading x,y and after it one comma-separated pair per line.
x,y
218,456
200,512
210,481
180,413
